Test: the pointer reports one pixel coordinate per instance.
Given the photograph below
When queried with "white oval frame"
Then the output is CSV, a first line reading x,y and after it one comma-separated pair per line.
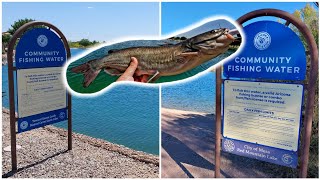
x,y
186,29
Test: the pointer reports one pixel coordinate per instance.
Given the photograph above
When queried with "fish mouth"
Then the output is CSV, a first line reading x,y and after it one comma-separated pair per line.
x,y
222,42
234,32
237,37
228,35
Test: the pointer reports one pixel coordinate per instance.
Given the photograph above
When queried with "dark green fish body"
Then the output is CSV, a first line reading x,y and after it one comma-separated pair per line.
x,y
161,60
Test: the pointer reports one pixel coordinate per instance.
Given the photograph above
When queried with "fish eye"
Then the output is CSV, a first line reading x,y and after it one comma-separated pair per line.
x,y
213,31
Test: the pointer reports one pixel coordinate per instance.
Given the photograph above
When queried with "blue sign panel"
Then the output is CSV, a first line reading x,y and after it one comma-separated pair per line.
x,y
40,120
259,152
271,51
40,47
40,55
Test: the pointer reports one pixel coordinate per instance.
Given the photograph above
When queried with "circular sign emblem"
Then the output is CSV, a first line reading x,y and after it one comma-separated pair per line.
x,y
24,125
262,40
228,145
42,40
287,158
62,115
45,48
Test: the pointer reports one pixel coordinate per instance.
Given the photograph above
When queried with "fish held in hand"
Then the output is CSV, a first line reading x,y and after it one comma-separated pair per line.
x,y
160,61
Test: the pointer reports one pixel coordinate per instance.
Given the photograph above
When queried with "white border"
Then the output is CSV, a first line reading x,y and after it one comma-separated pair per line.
x,y
186,29
152,1
160,100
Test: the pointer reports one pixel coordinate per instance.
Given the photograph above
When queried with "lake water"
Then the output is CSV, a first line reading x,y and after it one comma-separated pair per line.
x,y
129,115
194,95
126,115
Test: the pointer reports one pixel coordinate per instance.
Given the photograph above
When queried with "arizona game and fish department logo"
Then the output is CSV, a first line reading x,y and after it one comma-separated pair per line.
x,y
24,125
287,158
42,40
262,40
228,145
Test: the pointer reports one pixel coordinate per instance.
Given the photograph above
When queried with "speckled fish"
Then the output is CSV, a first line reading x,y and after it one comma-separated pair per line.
x,y
160,61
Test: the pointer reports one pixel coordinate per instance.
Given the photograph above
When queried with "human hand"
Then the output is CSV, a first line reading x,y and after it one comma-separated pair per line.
x,y
129,74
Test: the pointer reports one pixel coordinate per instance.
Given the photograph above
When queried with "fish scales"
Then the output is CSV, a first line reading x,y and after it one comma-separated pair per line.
x,y
166,60
150,58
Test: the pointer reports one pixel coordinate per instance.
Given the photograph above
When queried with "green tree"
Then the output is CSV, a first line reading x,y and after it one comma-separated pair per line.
x,y
6,38
84,42
310,16
5,41
17,24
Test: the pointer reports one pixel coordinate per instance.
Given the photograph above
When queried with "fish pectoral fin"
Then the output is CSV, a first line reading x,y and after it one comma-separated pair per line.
x,y
113,72
89,73
154,77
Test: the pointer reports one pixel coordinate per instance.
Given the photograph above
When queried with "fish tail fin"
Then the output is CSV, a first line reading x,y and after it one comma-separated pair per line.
x,y
89,73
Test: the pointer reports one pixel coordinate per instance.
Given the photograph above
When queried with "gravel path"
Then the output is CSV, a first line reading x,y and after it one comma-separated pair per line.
x,y
43,155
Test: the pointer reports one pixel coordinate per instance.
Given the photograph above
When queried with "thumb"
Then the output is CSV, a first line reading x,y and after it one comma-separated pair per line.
x,y
131,68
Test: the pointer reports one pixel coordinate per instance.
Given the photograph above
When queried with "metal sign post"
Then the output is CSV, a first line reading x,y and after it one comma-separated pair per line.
x,y
218,122
312,77
48,39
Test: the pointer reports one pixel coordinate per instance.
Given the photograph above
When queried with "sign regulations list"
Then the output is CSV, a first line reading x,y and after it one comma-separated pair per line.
x,y
40,90
263,113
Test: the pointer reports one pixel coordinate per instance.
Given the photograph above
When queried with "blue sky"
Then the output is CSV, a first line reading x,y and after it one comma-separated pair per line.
x,y
176,16
95,21
106,21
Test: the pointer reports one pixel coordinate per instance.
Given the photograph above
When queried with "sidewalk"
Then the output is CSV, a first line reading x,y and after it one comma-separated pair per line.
x,y
188,146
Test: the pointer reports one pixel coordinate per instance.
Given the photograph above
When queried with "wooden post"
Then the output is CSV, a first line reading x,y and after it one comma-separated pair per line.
x,y
218,123
69,102
69,123
12,105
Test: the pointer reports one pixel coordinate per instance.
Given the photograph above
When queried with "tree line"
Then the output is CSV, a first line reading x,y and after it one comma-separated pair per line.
x,y
83,43
6,36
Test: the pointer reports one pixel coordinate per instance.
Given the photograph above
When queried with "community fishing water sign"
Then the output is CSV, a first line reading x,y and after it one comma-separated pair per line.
x,y
271,51
262,120
42,97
